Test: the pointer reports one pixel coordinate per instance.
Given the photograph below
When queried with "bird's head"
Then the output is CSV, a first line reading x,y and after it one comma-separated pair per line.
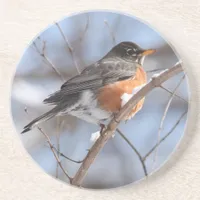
x,y
131,51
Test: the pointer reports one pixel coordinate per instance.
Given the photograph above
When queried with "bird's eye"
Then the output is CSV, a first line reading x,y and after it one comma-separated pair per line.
x,y
130,51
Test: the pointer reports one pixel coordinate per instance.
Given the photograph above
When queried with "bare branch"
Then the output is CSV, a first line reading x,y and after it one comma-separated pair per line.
x,y
36,48
108,132
69,47
167,90
135,150
166,136
49,63
165,114
111,32
52,149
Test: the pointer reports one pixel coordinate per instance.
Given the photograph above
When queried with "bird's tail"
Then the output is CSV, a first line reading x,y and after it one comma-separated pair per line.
x,y
46,116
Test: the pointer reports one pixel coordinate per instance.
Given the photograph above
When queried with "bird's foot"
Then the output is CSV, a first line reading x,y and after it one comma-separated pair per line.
x,y
95,136
114,118
102,126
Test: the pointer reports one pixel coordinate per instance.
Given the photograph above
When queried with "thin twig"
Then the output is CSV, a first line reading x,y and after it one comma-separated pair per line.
x,y
36,48
153,70
49,63
135,150
44,47
167,90
69,47
108,132
59,124
86,28
165,137
111,32
52,149
64,156
164,116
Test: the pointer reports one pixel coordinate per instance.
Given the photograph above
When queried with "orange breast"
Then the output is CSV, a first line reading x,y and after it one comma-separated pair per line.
x,y
110,96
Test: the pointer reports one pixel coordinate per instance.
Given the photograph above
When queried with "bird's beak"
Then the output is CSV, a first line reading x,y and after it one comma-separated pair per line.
x,y
148,52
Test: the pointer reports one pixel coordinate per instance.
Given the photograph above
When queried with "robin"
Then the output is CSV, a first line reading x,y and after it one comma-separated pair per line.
x,y
101,89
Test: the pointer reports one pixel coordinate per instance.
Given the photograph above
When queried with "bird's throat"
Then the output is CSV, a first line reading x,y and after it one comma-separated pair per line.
x,y
141,60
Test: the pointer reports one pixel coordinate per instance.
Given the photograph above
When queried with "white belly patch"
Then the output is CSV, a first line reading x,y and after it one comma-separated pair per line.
x,y
86,109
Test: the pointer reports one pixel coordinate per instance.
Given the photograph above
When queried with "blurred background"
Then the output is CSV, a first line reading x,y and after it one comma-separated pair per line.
x,y
92,35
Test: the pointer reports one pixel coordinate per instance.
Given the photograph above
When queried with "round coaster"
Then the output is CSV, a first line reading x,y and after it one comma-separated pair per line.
x,y
100,100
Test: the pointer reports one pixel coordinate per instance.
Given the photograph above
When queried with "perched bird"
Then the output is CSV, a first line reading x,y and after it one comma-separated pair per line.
x,y
101,89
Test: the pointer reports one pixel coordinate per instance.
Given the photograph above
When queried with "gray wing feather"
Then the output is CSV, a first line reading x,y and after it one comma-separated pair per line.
x,y
94,77
104,70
